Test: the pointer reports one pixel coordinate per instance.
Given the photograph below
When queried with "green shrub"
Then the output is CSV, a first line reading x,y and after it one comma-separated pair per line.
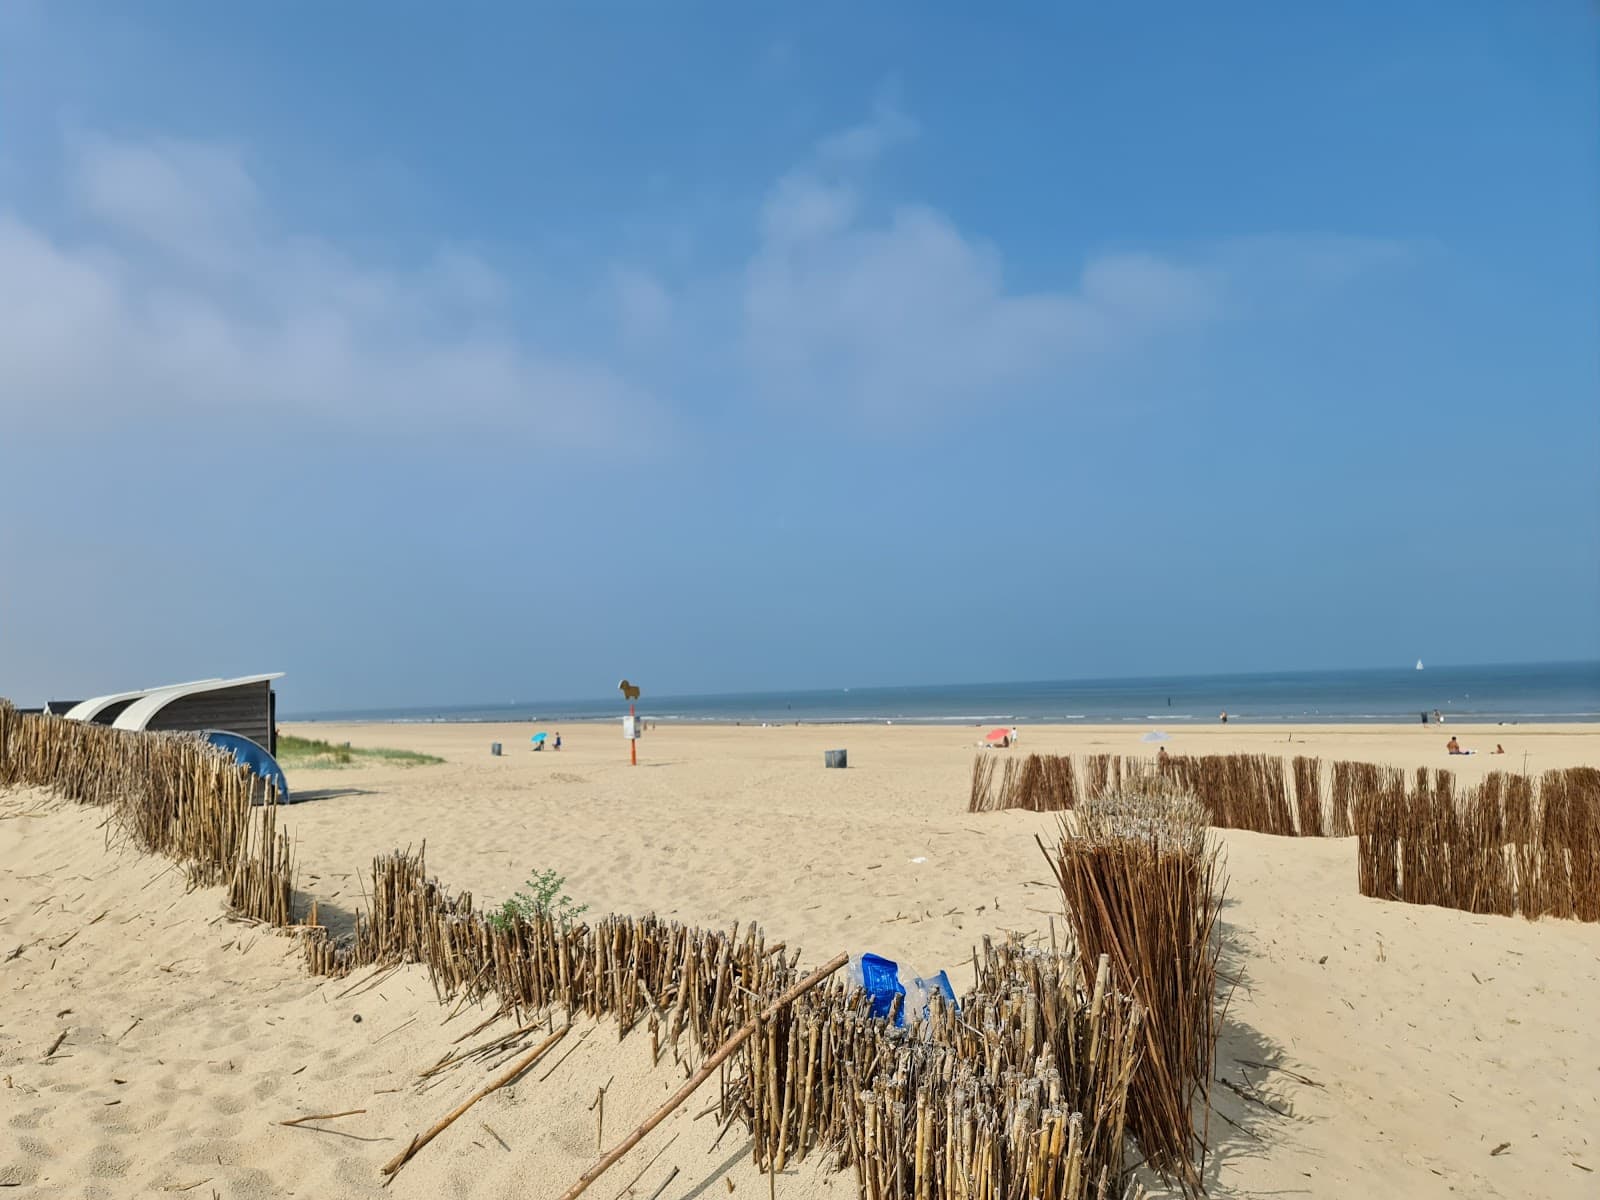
x,y
542,896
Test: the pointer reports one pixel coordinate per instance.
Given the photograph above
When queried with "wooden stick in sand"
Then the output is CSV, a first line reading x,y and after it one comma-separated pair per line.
x,y
707,1069
515,1069
323,1116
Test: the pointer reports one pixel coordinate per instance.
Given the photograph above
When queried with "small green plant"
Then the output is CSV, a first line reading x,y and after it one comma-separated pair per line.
x,y
541,896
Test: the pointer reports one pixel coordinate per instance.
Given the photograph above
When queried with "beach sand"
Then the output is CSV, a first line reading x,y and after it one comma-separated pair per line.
x,y
1390,1049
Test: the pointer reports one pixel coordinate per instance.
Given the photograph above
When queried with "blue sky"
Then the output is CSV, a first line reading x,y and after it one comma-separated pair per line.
x,y
441,356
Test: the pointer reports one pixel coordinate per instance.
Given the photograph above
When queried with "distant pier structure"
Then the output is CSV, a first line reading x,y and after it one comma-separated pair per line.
x,y
247,706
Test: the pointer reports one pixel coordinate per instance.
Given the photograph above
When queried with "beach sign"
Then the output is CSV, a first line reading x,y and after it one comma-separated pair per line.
x,y
630,723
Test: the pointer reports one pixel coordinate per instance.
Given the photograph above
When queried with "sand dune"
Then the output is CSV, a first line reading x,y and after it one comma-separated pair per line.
x,y
1386,1048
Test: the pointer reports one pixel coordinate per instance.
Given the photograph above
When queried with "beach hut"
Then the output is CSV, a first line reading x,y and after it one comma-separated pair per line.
x,y
246,706
103,710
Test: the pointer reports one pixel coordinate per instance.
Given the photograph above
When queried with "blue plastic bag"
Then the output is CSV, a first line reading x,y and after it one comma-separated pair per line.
x,y
880,978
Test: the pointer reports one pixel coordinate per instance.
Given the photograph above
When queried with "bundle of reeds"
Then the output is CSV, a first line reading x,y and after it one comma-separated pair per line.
x,y
1142,887
1308,795
1096,773
981,796
1503,846
1038,783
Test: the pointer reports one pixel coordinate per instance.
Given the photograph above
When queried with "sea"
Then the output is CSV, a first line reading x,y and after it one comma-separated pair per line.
x,y
1532,692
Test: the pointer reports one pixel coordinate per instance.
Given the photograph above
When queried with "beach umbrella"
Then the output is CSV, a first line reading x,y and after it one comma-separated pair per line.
x,y
998,735
539,737
1155,735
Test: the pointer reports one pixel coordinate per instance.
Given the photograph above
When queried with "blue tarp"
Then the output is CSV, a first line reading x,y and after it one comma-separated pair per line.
x,y
248,754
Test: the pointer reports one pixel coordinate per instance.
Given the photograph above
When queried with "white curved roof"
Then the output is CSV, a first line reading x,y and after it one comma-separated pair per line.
x,y
138,714
88,710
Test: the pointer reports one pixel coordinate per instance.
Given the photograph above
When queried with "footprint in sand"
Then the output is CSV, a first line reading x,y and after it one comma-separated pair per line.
x,y
106,1162
27,1120
228,1104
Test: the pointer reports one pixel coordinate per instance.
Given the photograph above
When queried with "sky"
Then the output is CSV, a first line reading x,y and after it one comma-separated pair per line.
x,y
463,354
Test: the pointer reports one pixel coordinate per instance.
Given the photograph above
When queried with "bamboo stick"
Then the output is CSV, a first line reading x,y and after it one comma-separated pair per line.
x,y
516,1069
705,1072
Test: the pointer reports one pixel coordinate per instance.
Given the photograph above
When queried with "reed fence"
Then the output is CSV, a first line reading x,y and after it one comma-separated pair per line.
x,y
1038,783
1022,1091
172,793
1510,844
1298,797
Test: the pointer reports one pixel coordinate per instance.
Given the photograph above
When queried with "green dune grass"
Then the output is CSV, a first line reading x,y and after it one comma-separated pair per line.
x,y
310,752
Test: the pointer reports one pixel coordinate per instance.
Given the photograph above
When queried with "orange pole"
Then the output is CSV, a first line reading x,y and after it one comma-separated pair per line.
x,y
633,742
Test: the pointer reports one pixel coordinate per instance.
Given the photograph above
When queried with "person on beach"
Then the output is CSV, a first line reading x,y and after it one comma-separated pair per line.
x,y
1013,735
1224,717
1453,746
558,739
1498,749
1424,718
1438,717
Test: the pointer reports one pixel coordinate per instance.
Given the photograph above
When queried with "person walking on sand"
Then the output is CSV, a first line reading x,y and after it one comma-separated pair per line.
x,y
1438,717
558,739
1224,717
1013,735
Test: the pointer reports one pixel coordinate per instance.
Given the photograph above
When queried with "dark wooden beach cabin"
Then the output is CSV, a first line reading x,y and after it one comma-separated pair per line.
x,y
247,706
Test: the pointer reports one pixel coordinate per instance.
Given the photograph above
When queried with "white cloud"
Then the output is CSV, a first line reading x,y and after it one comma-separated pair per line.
x,y
803,206
863,143
181,299
906,316
913,316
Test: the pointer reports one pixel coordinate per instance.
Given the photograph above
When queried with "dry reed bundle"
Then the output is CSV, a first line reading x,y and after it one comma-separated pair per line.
x,y
1038,783
1096,773
981,797
1143,887
1239,791
1308,795
1501,847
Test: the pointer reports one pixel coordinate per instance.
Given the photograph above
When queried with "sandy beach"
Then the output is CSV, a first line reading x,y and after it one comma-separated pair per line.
x,y
1399,1049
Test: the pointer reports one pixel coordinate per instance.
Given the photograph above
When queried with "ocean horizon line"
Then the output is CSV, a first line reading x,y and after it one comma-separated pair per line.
x,y
1547,691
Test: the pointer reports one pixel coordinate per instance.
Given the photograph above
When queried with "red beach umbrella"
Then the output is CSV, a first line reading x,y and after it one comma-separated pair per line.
x,y
998,735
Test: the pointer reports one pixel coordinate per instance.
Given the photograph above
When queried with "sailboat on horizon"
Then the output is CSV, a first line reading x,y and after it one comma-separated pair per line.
x,y
1419,664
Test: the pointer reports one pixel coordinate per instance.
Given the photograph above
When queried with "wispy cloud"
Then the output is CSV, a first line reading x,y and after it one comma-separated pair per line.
x,y
885,128
180,297
175,290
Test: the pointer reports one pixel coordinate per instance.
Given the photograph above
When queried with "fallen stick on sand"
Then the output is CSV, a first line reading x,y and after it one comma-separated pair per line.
x,y
628,1187
516,1068
664,1184
722,1053
567,1055
323,1117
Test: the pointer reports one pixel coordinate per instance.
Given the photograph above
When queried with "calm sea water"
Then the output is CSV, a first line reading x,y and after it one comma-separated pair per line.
x,y
1531,692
